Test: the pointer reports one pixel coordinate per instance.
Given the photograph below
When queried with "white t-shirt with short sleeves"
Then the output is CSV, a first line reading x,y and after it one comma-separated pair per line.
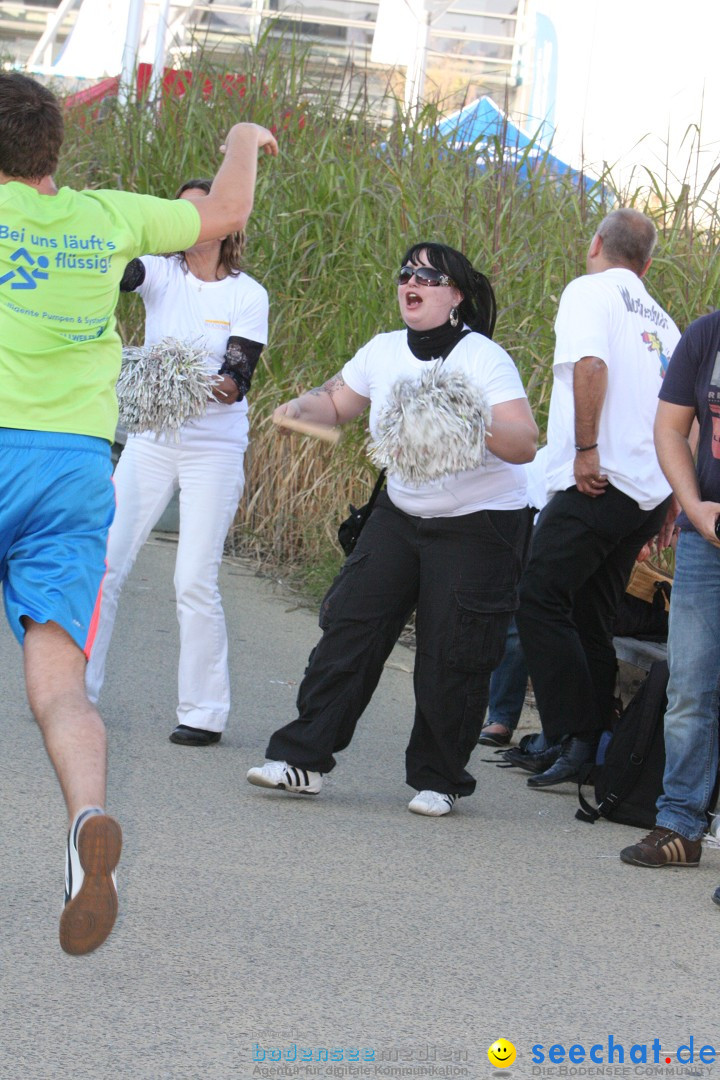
x,y
181,306
496,485
612,316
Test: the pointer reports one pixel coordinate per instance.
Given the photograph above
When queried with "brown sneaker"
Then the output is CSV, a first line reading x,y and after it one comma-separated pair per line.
x,y
663,847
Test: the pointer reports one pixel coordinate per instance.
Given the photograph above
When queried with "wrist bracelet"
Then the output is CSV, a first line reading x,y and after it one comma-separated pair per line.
x,y
582,449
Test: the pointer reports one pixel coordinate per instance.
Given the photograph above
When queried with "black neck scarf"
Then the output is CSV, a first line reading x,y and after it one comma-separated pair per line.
x,y
435,343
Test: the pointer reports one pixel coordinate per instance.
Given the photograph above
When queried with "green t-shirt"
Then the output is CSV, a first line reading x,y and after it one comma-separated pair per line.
x,y
61,261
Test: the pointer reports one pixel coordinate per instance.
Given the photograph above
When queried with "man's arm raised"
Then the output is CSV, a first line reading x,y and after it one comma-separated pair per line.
x,y
227,208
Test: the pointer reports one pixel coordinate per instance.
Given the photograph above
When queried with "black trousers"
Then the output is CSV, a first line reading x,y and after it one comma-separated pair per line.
x,y
583,551
460,575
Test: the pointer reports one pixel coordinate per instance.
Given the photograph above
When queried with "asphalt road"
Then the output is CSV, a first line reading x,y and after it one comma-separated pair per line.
x,y
260,932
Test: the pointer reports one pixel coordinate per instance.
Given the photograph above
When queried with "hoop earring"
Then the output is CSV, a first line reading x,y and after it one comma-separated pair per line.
x,y
454,319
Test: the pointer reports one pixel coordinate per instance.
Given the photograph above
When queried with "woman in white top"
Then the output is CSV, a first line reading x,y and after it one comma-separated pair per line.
x,y
198,295
451,548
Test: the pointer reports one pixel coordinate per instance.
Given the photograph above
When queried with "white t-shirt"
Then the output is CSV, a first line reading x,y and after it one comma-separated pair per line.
x,y
611,315
496,485
181,306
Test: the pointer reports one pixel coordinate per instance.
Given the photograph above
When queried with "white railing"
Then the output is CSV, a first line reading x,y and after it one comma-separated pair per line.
x,y
482,46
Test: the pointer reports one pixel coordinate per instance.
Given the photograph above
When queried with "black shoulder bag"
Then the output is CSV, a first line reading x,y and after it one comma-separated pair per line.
x,y
349,530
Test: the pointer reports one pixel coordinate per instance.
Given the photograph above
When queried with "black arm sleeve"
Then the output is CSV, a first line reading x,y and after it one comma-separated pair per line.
x,y
241,357
133,277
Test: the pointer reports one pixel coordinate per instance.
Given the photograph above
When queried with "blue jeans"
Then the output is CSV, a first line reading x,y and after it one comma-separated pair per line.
x,y
508,683
691,720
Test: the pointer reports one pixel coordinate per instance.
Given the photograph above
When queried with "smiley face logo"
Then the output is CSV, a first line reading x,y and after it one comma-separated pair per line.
x,y
501,1054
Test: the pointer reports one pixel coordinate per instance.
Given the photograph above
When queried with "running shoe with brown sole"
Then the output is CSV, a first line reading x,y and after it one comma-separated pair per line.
x,y
663,847
91,901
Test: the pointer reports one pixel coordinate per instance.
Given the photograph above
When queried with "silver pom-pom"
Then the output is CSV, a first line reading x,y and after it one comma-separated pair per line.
x,y
161,386
431,428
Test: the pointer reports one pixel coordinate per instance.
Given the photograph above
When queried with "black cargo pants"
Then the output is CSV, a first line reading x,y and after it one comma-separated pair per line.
x,y
460,574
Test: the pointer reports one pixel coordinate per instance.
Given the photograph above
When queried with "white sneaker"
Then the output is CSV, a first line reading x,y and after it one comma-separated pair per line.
x,y
432,803
91,901
278,774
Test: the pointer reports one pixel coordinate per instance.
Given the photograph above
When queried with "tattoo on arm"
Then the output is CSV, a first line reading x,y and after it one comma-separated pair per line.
x,y
333,385
330,387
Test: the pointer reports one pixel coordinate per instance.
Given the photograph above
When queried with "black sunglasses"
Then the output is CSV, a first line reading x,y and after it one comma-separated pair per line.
x,y
424,275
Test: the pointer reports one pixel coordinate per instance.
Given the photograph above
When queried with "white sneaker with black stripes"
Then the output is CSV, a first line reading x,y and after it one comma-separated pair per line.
x,y
432,803
278,774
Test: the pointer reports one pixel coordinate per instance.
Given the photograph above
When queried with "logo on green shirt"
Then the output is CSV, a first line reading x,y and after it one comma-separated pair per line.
x,y
28,279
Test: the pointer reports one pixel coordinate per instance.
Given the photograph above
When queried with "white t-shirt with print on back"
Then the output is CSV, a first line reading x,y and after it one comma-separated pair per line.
x,y
496,485
612,316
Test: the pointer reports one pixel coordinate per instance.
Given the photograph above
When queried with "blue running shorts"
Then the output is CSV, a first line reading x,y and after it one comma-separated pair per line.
x,y
57,502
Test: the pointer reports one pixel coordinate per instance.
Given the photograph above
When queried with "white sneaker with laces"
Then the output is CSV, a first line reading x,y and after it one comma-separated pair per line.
x,y
278,774
91,901
432,803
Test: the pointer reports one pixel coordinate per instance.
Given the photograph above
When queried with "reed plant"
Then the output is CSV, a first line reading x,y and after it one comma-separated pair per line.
x,y
333,216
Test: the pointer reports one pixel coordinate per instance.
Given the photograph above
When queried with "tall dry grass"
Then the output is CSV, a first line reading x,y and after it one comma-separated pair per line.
x,y
333,216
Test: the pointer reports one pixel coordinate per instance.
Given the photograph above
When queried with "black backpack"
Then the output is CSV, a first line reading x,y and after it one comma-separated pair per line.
x,y
629,779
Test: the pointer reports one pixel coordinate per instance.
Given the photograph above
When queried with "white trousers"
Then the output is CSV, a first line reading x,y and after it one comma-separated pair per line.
x,y
211,483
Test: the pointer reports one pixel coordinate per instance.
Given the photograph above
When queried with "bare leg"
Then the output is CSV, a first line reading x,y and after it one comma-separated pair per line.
x,y
73,731
75,741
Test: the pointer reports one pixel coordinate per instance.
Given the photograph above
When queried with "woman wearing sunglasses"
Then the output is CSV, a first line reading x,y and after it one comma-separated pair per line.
x,y
451,547
201,296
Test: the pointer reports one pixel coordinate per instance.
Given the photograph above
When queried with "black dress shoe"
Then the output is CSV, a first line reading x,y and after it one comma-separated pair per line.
x,y
533,763
575,753
500,737
194,736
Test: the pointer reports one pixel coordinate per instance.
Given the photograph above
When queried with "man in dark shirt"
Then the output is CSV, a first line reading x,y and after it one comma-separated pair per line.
x,y
691,389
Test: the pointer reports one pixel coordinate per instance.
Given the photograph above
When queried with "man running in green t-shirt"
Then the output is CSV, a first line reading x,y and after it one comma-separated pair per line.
x,y
62,255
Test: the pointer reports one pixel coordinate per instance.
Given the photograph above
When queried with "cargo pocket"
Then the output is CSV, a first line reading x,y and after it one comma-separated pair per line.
x,y
482,618
342,586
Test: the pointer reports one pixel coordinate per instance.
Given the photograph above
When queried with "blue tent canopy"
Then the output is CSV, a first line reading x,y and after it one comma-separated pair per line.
x,y
482,128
